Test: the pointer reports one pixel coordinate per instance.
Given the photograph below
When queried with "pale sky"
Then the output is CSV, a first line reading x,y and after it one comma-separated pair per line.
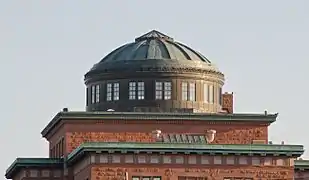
x,y
47,47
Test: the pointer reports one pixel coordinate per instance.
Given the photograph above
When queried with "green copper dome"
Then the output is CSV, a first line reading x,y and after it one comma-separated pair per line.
x,y
152,51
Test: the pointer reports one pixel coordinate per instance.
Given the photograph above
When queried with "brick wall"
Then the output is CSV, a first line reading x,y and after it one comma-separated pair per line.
x,y
213,173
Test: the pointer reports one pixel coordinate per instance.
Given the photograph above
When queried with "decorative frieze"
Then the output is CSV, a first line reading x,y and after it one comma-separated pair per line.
x,y
74,139
105,173
240,136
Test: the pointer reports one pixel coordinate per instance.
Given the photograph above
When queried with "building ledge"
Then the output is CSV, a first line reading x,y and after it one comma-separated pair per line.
x,y
302,165
220,117
186,148
32,162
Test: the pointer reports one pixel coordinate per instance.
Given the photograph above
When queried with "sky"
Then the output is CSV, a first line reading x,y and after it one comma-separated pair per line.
x,y
47,46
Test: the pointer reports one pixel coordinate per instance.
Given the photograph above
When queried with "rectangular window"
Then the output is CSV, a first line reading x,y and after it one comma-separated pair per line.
x,y
129,159
146,177
217,160
57,173
140,90
97,93
103,159
112,91
192,92
179,160
191,178
34,173
45,173
184,91
116,158
267,161
167,90
230,160
141,159
109,92
204,160
206,97
87,96
192,160
256,161
116,92
159,90
164,90
211,93
154,159
243,160
220,96
280,162
92,94
167,159
132,90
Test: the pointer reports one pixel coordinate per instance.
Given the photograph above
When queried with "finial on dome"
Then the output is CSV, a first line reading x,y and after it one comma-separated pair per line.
x,y
154,34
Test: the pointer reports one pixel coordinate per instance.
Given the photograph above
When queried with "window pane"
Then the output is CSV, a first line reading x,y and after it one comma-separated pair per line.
x,y
109,92
140,90
217,160
230,160
97,93
192,160
92,94
141,159
159,91
256,161
129,159
220,96
184,90
34,173
116,91
167,159
243,160
192,92
115,158
132,90
154,159
211,94
167,90
280,162
179,159
206,97
204,160
267,161
103,159
45,173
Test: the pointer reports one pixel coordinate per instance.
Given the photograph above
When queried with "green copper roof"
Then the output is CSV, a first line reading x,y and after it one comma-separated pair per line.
x,y
301,164
244,149
151,50
32,162
71,115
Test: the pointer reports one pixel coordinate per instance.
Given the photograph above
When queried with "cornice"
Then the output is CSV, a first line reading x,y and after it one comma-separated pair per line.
x,y
184,148
174,118
156,71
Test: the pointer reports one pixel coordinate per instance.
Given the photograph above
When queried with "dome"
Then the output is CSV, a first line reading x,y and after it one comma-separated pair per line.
x,y
152,51
154,73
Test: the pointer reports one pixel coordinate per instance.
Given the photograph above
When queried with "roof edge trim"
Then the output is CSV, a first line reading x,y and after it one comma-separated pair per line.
x,y
80,115
22,162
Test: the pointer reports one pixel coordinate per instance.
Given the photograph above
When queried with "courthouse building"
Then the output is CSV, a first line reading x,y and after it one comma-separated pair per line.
x,y
155,110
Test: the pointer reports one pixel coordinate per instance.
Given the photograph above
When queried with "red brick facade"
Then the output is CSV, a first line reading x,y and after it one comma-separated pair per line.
x,y
212,173
75,133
